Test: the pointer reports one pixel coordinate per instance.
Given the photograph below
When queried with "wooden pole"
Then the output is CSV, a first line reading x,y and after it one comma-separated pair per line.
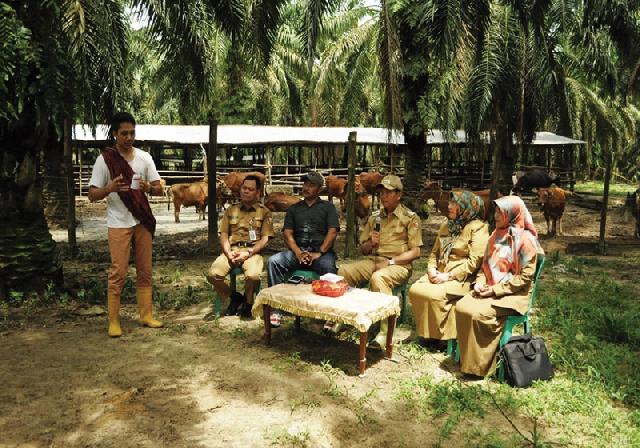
x,y
351,196
212,153
71,196
605,204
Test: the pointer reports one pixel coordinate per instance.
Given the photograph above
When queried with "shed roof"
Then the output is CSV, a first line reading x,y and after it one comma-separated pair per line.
x,y
251,135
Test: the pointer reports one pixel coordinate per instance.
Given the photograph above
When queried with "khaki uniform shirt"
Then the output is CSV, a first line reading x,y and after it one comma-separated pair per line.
x,y
399,231
466,254
238,221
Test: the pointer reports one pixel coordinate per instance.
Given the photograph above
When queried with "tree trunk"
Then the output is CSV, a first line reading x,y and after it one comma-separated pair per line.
x,y
605,203
54,183
415,164
28,256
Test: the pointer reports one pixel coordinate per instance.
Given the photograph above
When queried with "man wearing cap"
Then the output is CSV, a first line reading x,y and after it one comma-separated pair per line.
x,y
310,229
391,239
245,230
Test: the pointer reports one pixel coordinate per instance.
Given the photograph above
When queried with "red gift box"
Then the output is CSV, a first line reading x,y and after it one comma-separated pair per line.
x,y
330,289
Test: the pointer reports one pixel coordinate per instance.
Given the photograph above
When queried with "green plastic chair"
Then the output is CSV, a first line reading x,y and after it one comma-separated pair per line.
x,y
217,302
512,321
398,291
309,275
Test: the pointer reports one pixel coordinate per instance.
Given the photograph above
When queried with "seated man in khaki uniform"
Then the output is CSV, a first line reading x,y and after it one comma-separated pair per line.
x,y
391,238
245,230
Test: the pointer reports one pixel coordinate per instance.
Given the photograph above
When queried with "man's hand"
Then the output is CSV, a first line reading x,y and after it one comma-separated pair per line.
x,y
441,277
117,184
145,186
375,239
432,273
303,257
314,256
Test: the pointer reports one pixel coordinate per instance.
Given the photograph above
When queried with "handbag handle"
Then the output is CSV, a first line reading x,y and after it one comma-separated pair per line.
x,y
528,350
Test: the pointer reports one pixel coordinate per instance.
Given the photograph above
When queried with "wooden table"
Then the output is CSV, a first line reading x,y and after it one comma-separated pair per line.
x,y
358,307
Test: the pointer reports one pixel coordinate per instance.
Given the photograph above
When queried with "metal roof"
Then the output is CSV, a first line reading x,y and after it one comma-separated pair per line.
x,y
250,135
246,135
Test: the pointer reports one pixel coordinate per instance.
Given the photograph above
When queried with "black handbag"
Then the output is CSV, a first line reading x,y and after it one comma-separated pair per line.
x,y
525,359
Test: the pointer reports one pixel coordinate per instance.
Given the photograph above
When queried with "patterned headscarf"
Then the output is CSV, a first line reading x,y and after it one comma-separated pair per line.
x,y
471,207
512,247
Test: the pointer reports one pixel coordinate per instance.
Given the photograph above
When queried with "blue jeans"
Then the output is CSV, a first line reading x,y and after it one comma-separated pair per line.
x,y
282,264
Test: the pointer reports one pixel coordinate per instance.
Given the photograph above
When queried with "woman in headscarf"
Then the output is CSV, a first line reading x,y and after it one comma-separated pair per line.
x,y
501,289
455,258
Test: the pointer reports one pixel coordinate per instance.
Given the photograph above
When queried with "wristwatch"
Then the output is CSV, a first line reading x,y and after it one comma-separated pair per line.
x,y
392,261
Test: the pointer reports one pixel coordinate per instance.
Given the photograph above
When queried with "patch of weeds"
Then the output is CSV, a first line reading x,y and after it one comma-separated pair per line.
x,y
481,438
205,329
177,328
176,276
176,299
282,437
4,311
412,351
331,373
291,362
362,408
239,332
303,401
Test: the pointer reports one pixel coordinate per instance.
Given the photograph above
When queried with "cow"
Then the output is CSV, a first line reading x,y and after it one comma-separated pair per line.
x,y
336,187
233,181
552,201
280,202
633,203
369,182
534,178
433,190
362,205
186,195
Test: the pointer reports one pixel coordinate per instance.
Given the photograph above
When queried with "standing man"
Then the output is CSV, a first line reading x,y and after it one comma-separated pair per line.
x,y
245,230
123,174
391,239
310,229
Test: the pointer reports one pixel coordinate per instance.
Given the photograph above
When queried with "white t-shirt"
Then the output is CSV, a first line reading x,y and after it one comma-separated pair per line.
x,y
118,215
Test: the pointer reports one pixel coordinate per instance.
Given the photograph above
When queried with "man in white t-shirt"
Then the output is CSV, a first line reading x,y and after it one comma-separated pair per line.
x,y
123,174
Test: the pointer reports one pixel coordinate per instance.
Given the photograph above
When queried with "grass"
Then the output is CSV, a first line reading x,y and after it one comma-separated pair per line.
x,y
597,187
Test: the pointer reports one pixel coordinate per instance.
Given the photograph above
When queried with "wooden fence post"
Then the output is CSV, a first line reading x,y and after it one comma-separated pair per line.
x,y
212,153
71,195
351,195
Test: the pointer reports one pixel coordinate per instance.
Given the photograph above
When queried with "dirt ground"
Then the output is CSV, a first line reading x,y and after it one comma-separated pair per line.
x,y
215,384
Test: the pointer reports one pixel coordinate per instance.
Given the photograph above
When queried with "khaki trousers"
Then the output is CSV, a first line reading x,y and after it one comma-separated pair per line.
x,y
479,323
383,280
252,267
433,306
120,241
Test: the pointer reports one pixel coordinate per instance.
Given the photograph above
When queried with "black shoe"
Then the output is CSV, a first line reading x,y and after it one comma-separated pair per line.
x,y
235,300
245,310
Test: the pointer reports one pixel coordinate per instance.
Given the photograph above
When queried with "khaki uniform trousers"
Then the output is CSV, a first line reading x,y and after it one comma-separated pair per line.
x,y
433,306
383,280
252,267
479,323
120,241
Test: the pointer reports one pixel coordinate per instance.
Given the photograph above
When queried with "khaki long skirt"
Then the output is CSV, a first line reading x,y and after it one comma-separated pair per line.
x,y
479,325
433,306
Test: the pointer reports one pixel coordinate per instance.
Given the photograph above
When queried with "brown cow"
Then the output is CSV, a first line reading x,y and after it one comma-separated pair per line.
x,y
280,202
369,182
336,187
234,180
433,190
363,205
186,195
552,201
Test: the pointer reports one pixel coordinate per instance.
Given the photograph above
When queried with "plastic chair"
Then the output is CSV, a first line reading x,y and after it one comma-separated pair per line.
x,y
217,302
512,321
309,275
400,290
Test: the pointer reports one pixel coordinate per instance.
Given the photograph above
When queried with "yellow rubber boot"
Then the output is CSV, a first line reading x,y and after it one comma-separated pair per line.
x,y
113,305
143,294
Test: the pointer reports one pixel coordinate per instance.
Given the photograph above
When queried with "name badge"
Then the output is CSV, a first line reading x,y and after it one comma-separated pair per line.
x,y
252,235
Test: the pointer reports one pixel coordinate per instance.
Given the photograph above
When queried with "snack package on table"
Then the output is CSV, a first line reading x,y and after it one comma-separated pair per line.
x,y
330,285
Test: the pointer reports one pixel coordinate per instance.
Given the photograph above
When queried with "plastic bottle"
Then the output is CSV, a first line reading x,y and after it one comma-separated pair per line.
x,y
135,181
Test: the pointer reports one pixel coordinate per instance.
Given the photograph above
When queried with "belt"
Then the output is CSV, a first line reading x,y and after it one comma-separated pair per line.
x,y
243,244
